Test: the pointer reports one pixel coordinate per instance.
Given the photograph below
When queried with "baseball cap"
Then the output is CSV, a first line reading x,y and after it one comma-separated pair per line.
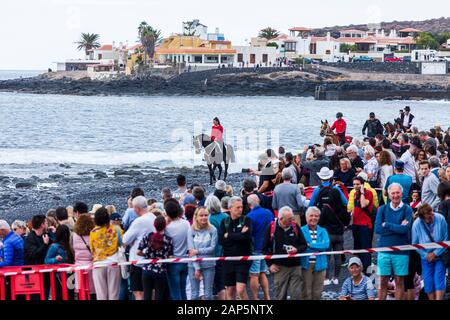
x,y
115,217
399,164
189,199
354,260
363,175
372,115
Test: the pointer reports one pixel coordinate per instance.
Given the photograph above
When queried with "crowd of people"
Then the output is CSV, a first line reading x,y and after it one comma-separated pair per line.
x,y
392,185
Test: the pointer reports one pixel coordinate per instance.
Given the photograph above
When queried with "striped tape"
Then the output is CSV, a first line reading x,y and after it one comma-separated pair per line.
x,y
434,245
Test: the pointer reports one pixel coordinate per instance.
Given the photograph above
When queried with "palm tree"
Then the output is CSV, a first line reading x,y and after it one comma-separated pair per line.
x,y
88,41
188,28
269,33
148,37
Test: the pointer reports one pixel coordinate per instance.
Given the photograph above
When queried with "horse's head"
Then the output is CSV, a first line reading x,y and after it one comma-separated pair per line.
x,y
324,129
196,141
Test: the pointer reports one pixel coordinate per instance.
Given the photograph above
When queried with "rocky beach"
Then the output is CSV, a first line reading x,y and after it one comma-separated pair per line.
x,y
357,81
21,198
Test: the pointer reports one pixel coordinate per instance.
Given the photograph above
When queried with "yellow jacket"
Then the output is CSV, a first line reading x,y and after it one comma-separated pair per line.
x,y
351,197
104,241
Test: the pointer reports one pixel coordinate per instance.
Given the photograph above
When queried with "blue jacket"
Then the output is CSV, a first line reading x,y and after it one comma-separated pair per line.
x,y
393,233
54,251
438,230
261,220
13,250
316,191
322,244
216,219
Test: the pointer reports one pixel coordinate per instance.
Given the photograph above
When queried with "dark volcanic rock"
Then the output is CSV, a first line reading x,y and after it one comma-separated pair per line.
x,y
131,173
100,175
25,185
56,176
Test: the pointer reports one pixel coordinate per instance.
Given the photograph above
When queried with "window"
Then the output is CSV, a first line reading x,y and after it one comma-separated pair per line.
x,y
265,58
328,52
240,57
290,46
252,58
211,59
198,59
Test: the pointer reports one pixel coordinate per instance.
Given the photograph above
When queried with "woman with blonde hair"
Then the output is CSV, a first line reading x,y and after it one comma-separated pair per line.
x,y
386,169
111,209
202,242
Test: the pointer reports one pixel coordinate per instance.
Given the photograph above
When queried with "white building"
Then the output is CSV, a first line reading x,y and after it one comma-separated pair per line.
x,y
257,53
102,71
423,55
325,48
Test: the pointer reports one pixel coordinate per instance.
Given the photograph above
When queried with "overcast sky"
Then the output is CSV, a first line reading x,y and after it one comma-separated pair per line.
x,y
36,33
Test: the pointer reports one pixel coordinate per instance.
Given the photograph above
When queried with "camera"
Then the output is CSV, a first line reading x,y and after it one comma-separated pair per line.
x,y
287,248
246,170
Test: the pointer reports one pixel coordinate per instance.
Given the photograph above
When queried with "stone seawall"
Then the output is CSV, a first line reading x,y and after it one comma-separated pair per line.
x,y
382,67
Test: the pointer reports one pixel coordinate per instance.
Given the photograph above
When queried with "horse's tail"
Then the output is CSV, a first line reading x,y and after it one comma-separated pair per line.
x,y
230,151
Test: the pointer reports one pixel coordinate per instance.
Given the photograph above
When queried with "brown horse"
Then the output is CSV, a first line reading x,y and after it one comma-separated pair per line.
x,y
326,131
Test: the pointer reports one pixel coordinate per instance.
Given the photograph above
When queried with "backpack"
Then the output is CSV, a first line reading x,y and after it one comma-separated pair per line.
x,y
324,197
329,198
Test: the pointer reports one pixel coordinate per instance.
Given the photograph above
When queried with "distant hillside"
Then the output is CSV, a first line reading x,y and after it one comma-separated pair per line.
x,y
432,26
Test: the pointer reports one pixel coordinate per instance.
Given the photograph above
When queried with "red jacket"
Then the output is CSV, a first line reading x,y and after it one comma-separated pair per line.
x,y
340,125
216,133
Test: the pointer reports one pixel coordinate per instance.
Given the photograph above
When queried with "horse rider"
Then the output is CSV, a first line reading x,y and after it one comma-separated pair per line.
x,y
340,126
373,126
217,135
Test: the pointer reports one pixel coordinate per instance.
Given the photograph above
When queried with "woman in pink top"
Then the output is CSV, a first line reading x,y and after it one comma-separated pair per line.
x,y
80,244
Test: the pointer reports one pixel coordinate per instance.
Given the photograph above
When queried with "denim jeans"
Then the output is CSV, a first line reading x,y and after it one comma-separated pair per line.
x,y
336,244
362,239
125,293
208,282
176,276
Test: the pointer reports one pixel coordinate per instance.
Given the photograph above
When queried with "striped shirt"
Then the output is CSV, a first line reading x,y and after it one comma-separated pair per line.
x,y
361,291
313,234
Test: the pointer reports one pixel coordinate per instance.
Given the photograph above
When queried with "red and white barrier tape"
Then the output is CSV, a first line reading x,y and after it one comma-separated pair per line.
x,y
435,245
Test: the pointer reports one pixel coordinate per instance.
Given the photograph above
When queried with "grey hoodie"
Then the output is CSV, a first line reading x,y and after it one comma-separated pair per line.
x,y
205,241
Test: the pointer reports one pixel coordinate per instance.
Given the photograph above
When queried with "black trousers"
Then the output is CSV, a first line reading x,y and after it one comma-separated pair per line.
x,y
158,282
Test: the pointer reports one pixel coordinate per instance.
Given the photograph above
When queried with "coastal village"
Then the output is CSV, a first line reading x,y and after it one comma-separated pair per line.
x,y
195,48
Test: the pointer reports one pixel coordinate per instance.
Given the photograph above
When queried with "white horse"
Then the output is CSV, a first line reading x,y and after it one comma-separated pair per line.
x,y
214,155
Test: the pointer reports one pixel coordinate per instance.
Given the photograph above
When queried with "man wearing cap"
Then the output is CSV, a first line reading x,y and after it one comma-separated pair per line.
x,y
13,249
326,175
407,118
401,178
358,286
373,126
409,160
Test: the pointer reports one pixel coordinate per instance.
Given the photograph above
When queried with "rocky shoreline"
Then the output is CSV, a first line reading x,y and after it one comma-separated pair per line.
x,y
21,198
217,83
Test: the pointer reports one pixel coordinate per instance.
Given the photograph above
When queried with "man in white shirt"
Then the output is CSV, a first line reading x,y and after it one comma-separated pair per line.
x,y
409,160
141,226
